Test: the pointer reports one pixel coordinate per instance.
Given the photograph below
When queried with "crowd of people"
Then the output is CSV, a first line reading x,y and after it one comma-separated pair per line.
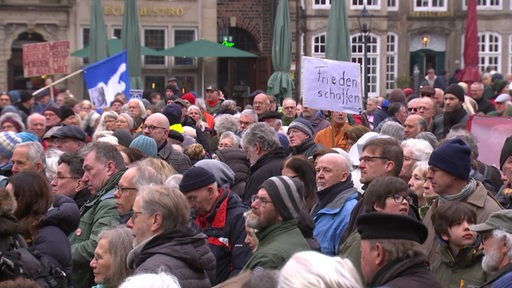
x,y
177,190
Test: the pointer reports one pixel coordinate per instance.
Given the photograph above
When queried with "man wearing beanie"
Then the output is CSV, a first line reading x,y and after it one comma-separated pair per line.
x,y
450,165
8,141
505,192
454,112
301,137
53,117
275,209
219,215
391,254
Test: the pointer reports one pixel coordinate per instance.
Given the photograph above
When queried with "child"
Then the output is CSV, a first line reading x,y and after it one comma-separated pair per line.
x,y
460,262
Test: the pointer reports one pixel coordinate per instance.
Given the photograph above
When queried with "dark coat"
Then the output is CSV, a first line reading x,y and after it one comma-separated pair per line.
x,y
308,148
200,137
502,275
406,273
267,166
237,160
51,237
225,228
181,252
179,161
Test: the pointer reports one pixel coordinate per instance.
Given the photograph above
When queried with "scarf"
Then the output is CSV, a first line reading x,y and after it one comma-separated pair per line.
x,y
328,194
212,103
218,212
452,118
463,194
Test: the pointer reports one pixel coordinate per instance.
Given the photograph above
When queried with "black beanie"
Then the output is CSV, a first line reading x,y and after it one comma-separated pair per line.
x,y
506,151
456,90
25,96
66,111
453,157
287,195
195,178
55,110
377,225
173,113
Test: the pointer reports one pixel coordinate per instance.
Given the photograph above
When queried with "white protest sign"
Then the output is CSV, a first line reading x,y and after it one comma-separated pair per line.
x,y
331,85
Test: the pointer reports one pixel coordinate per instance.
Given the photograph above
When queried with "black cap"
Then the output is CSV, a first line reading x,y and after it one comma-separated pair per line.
x,y
269,115
211,87
70,131
377,225
172,79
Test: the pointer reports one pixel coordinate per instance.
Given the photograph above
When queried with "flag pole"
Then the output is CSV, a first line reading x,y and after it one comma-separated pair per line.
x,y
58,81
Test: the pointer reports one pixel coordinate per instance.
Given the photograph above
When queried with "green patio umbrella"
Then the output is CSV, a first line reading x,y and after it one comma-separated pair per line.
x,y
280,83
204,48
130,37
97,34
115,46
337,46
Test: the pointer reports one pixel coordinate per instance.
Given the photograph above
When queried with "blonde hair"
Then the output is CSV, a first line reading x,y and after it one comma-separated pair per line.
x,y
120,243
168,202
310,269
159,165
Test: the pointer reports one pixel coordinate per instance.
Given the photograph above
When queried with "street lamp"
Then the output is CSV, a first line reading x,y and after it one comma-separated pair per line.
x,y
365,20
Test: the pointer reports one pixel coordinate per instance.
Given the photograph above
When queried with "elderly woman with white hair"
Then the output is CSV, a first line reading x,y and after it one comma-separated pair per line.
x,y
309,269
414,150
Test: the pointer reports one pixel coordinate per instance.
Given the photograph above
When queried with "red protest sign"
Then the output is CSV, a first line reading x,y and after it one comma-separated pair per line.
x,y
45,58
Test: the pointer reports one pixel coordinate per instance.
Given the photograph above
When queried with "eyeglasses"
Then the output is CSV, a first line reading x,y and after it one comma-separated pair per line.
x,y
225,145
262,200
57,178
136,214
400,198
485,236
122,190
151,127
371,158
294,131
412,109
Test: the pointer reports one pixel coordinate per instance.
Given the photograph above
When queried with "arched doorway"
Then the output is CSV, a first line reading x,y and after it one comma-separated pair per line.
x,y
15,79
238,77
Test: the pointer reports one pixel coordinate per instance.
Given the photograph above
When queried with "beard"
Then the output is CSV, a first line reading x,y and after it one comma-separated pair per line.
x,y
260,222
491,261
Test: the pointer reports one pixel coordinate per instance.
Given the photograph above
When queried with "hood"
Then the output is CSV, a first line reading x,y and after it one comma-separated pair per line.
x,y
64,214
183,244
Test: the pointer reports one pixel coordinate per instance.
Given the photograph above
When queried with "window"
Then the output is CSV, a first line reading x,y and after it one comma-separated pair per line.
x,y
182,36
485,4
370,4
154,38
391,60
430,5
321,4
319,45
373,60
393,5
489,50
155,82
116,33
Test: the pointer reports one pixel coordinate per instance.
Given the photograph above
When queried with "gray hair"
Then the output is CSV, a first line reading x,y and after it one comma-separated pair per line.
x,y
234,138
497,233
225,122
168,202
290,99
192,106
105,152
231,104
310,269
159,279
420,148
75,163
200,103
120,243
141,106
32,116
250,113
35,152
262,134
146,176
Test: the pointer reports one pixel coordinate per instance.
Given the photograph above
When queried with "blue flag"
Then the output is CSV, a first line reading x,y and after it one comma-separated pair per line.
x,y
106,78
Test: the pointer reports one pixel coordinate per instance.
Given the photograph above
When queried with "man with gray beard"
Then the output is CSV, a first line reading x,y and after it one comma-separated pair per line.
x,y
496,243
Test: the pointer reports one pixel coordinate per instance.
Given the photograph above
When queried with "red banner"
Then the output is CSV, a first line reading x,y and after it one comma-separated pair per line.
x,y
46,58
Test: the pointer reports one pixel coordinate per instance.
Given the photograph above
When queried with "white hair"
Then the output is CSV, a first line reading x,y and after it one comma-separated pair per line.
x,y
309,269
420,148
174,181
151,280
497,233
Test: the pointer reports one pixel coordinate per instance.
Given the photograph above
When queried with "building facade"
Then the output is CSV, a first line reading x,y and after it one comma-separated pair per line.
x,y
246,25
407,34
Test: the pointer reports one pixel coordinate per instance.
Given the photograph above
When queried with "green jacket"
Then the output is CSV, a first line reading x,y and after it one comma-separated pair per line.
x,y
351,249
100,211
277,243
463,270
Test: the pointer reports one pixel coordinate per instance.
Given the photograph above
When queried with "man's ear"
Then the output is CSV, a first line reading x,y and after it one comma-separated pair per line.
x,y
156,223
389,166
380,255
111,168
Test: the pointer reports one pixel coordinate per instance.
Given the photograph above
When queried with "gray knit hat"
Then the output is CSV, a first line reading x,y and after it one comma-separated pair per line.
x,y
393,129
287,195
303,125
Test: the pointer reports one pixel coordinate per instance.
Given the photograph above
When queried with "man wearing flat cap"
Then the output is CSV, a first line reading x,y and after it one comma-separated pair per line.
x,y
212,99
496,243
390,251
275,209
219,215
450,165
273,119
69,139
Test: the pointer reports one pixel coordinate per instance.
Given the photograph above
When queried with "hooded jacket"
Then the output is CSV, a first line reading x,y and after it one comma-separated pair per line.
x,y
181,252
237,160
